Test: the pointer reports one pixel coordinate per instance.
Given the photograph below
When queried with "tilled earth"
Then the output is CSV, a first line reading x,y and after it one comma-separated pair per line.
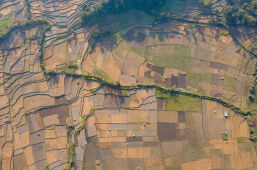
x,y
62,120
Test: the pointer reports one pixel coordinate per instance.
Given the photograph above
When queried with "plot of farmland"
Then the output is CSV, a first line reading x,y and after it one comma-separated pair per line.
x,y
128,85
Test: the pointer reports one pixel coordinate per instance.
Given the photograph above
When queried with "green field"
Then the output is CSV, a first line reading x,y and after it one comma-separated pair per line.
x,y
199,77
171,61
183,103
138,50
174,50
103,75
160,94
175,56
181,51
230,83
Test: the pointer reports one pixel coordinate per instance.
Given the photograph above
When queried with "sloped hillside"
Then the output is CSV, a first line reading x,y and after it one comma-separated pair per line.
x,y
128,84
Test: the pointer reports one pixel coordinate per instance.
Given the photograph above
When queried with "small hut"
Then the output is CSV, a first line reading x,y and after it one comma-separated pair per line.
x,y
226,115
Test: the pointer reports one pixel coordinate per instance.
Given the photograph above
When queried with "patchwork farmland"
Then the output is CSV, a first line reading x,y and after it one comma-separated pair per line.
x,y
107,85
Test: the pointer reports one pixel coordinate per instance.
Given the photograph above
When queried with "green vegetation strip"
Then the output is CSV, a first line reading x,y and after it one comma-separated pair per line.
x,y
25,25
85,117
161,92
69,129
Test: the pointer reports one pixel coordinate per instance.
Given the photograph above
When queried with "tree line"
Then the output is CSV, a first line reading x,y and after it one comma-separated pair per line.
x,y
241,12
105,7
236,12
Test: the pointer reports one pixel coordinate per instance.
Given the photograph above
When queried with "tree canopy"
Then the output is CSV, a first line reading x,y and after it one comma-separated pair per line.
x,y
241,12
115,6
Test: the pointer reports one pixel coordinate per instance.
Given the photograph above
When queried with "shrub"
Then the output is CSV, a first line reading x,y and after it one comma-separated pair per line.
x,y
72,151
239,139
125,93
251,99
70,69
225,32
224,136
46,168
68,166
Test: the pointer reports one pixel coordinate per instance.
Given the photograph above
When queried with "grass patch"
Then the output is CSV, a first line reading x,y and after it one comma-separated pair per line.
x,y
239,139
171,61
181,51
183,103
224,136
175,56
103,75
199,77
68,166
70,69
13,80
125,93
173,50
230,83
117,36
225,32
46,168
161,94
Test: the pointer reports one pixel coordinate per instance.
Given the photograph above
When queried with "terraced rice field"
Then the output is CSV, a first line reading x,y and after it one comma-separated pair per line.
x,y
54,114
